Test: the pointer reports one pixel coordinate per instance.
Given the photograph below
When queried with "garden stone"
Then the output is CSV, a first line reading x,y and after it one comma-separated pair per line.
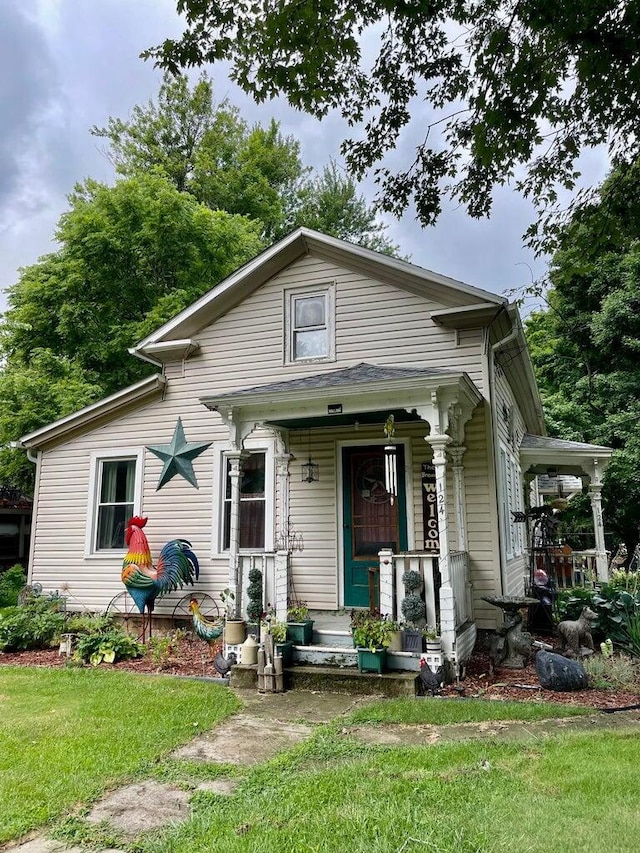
x,y
556,672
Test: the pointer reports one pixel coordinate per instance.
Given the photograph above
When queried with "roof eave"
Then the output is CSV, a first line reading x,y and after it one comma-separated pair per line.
x,y
89,414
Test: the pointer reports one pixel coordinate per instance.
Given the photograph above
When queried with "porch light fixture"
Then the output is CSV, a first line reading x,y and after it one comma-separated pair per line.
x,y
310,469
390,460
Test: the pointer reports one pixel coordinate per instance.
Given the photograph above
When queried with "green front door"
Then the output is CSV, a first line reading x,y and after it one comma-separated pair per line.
x,y
372,519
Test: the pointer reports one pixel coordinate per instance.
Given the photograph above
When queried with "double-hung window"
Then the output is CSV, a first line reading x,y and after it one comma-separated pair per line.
x,y
115,496
310,325
252,510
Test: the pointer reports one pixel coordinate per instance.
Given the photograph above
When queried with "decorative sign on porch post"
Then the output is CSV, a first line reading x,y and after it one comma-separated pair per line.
x,y
430,508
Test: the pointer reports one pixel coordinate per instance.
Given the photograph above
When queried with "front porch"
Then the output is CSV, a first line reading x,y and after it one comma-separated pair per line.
x,y
446,594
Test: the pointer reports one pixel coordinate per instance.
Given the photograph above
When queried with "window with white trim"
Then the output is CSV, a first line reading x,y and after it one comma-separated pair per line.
x,y
252,511
115,489
309,324
511,500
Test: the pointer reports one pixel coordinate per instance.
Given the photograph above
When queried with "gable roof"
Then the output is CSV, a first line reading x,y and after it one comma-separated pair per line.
x,y
360,374
240,284
91,415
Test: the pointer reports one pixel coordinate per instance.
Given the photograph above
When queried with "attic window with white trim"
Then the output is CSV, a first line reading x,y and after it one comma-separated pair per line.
x,y
310,325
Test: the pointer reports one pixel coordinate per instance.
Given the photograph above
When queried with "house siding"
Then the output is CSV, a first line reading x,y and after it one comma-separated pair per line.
x,y
374,322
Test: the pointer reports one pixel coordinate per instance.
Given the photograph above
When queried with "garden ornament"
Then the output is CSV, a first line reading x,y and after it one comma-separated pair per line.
x,y
575,634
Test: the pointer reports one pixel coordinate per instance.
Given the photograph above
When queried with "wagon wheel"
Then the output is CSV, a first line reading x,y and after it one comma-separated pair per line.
x,y
124,608
182,616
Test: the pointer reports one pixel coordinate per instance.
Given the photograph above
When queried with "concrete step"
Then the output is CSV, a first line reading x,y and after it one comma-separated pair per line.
x,y
332,637
333,679
347,655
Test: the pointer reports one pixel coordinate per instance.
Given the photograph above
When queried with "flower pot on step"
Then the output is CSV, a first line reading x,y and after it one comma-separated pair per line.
x,y
372,661
234,632
300,633
412,640
396,642
286,651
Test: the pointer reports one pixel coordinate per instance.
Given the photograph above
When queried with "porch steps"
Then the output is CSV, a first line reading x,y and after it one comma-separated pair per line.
x,y
347,656
333,679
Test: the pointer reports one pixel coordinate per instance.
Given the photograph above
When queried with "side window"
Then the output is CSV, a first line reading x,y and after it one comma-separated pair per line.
x,y
115,493
309,323
115,501
252,503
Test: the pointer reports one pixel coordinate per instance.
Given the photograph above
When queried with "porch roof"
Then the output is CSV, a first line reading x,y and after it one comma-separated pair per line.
x,y
543,455
422,392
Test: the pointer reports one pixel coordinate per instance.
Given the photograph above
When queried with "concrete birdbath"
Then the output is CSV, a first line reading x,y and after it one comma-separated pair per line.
x,y
511,646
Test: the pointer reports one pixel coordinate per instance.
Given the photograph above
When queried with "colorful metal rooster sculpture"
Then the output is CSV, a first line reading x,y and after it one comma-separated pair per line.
x,y
177,566
208,630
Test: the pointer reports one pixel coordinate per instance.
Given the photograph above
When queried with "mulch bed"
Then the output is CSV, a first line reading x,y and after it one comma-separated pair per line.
x,y
481,679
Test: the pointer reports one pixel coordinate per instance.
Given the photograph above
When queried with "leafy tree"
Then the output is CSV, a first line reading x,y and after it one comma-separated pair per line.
x,y
330,204
516,88
208,151
131,256
585,346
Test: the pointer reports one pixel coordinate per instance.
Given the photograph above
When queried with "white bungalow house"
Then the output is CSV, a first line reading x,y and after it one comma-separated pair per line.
x,y
265,438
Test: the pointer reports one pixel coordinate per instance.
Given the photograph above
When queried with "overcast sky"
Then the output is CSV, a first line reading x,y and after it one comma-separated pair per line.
x,y
66,65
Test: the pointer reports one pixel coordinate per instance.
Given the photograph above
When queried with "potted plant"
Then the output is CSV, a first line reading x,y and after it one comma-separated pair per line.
x,y
395,644
372,638
254,607
234,626
299,626
414,611
281,646
432,639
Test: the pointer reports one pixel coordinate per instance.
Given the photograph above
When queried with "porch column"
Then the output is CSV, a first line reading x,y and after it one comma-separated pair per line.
x,y
595,495
235,463
447,603
456,453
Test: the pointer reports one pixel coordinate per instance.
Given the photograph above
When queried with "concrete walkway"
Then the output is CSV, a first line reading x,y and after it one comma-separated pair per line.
x,y
270,723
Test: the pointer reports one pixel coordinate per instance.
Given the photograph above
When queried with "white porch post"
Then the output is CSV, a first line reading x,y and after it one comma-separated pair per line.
x,y
281,562
595,494
456,453
595,470
447,602
235,462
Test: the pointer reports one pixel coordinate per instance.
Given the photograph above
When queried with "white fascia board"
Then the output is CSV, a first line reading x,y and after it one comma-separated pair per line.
x,y
382,394
269,262
108,405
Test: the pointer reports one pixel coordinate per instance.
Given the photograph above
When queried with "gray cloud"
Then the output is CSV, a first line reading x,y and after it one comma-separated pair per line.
x,y
65,66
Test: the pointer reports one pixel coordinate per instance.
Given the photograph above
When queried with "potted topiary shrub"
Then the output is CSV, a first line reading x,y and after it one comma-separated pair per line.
x,y
414,612
299,626
254,607
372,637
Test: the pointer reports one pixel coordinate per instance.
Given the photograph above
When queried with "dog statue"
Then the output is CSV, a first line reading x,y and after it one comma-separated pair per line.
x,y
575,634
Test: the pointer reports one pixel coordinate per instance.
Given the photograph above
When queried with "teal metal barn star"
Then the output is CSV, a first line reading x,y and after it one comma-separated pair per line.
x,y
178,457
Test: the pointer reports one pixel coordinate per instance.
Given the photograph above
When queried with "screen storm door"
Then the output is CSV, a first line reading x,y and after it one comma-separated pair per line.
x,y
371,520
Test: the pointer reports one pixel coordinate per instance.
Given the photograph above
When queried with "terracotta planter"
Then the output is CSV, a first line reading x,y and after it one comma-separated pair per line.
x,y
234,632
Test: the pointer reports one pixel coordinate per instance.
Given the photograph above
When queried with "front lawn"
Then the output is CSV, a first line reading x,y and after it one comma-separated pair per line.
x,y
570,793
66,734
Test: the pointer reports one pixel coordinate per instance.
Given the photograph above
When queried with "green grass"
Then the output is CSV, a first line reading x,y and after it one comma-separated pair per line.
x,y
66,734
333,795
444,711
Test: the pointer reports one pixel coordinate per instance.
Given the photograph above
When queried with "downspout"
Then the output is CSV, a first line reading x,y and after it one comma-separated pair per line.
x,y
493,349
35,459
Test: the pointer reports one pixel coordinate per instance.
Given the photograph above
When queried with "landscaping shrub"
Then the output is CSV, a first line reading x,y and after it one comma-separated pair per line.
x,y
618,613
11,582
36,625
88,623
108,647
619,672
